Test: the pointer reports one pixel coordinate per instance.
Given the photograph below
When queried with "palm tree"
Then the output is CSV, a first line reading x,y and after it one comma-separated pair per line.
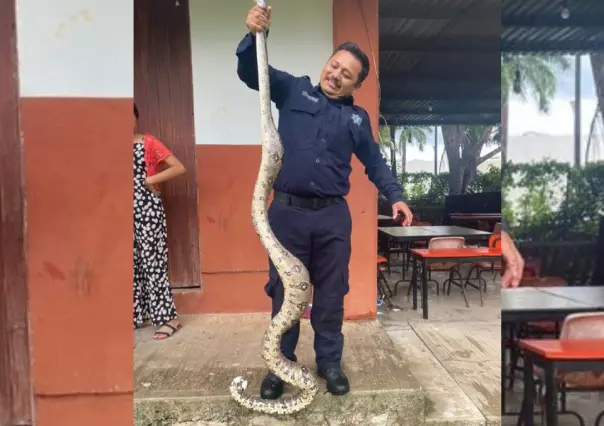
x,y
406,135
530,75
597,68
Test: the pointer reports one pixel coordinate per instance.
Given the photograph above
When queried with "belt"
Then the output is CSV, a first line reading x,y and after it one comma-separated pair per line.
x,y
314,203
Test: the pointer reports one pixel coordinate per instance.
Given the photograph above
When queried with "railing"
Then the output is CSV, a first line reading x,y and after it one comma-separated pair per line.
x,y
575,261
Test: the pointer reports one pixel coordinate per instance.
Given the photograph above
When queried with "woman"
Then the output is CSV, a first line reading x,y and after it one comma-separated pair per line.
x,y
153,297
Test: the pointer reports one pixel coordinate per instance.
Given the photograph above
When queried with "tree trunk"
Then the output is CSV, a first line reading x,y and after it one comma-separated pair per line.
x,y
393,160
393,151
469,160
505,111
452,139
597,66
403,157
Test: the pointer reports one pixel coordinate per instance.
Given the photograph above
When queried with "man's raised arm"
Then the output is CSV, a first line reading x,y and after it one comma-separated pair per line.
x,y
258,19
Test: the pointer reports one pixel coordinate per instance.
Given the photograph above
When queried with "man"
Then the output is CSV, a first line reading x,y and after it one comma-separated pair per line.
x,y
514,263
320,129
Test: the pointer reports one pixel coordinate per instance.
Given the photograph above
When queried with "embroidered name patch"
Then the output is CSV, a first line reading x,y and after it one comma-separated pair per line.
x,y
307,96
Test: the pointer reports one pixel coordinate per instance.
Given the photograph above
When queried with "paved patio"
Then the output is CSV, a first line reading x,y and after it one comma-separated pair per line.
x,y
452,359
455,354
464,347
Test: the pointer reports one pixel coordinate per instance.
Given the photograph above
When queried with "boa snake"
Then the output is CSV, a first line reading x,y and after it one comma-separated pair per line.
x,y
295,277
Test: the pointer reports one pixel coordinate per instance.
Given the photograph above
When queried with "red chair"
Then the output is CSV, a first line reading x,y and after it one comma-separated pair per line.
x,y
493,267
452,268
583,326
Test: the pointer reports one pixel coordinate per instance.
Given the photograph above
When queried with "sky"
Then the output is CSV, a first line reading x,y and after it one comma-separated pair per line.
x,y
524,116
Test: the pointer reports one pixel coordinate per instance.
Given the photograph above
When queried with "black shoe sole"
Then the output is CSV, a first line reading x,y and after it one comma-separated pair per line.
x,y
338,393
331,391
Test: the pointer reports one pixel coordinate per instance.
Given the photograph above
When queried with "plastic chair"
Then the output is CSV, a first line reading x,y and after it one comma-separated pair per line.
x,y
493,267
583,326
451,267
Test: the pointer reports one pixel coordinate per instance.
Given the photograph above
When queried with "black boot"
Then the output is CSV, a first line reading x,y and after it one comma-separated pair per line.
x,y
337,382
272,387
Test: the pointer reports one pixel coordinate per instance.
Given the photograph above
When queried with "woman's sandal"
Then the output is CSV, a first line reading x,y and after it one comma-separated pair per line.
x,y
166,334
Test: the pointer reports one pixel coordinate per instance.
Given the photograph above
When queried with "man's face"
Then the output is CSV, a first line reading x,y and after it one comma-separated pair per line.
x,y
340,75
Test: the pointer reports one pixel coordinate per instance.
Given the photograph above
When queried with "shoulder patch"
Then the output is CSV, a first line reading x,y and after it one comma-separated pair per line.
x,y
356,119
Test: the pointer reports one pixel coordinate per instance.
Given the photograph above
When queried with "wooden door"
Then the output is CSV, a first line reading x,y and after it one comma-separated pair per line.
x,y
163,92
15,383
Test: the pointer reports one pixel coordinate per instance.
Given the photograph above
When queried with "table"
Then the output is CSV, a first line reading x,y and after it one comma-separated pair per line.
x,y
407,234
426,233
475,216
427,256
526,304
555,356
587,295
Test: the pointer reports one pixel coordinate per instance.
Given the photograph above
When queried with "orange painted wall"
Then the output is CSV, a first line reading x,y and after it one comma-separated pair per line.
x,y
78,173
350,21
233,262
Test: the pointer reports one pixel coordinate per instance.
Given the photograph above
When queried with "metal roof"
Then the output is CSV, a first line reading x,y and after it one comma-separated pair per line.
x,y
440,61
539,26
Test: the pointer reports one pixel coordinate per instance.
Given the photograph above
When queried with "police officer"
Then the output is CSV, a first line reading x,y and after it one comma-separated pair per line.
x,y
320,128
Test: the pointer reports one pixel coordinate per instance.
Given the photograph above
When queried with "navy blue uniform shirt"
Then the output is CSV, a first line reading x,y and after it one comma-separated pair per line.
x,y
319,135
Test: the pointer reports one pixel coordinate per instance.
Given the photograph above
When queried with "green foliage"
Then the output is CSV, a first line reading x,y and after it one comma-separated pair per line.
x,y
551,201
537,76
425,188
544,201
489,181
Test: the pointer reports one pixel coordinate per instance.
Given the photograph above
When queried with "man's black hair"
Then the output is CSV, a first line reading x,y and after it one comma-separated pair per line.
x,y
135,111
358,53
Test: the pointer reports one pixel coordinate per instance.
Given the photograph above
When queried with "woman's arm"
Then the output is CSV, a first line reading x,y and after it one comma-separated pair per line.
x,y
175,169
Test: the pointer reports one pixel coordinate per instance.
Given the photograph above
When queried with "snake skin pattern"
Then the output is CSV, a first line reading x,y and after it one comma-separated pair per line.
x,y
293,273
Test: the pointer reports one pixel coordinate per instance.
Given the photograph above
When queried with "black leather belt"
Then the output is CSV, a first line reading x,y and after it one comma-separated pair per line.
x,y
315,203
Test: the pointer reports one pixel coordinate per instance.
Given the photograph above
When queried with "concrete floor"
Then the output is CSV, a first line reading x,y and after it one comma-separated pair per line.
x,y
464,349
185,380
455,354
446,369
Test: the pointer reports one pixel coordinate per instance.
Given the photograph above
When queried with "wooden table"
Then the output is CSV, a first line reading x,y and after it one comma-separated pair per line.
x,y
460,255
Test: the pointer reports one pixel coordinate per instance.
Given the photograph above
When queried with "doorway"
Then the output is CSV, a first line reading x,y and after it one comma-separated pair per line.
x,y
163,92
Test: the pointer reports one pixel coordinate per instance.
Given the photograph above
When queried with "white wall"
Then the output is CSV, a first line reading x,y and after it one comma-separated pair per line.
x,y
75,48
300,42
